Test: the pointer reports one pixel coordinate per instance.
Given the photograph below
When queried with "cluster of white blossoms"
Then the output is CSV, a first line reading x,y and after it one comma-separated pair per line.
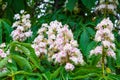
x,y
56,41
22,26
41,9
106,37
109,6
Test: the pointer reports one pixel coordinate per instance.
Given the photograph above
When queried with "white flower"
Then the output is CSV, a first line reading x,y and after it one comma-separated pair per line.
x,y
96,51
69,67
17,16
41,30
111,7
98,36
111,53
67,47
20,28
28,34
46,0
9,60
106,43
74,43
62,54
2,54
42,44
27,16
52,36
2,45
22,11
74,59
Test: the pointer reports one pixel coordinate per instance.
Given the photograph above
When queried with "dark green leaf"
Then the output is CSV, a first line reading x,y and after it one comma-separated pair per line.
x,y
118,58
89,3
0,32
7,31
94,59
84,41
47,75
91,31
22,62
18,5
90,46
71,4
55,73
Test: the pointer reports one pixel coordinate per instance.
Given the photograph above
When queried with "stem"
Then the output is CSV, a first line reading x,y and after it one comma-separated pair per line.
x,y
103,62
13,77
103,66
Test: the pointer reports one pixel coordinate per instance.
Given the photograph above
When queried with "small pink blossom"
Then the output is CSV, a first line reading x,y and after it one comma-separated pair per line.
x,y
69,67
96,51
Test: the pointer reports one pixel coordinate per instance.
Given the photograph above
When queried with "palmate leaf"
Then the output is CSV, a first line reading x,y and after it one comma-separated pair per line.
x,y
29,52
22,62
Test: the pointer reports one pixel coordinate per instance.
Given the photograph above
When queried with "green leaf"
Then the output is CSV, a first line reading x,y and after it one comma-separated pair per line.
x,y
29,52
94,59
9,2
71,4
114,77
0,32
55,73
7,31
77,33
85,70
18,5
91,31
84,41
3,62
90,46
22,62
3,74
85,76
89,3
118,58
47,75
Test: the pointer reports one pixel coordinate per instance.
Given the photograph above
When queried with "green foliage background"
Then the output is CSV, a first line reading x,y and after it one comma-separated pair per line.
x,y
27,66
